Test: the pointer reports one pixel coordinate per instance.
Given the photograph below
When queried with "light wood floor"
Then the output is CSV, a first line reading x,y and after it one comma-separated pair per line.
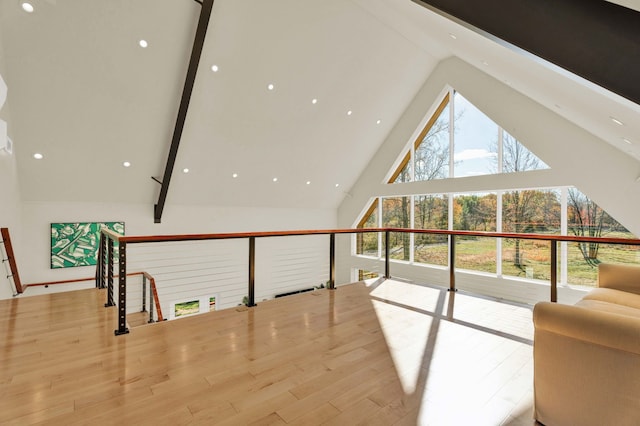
x,y
383,354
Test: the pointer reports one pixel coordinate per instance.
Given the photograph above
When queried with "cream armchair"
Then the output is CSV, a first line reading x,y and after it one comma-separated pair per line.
x,y
587,355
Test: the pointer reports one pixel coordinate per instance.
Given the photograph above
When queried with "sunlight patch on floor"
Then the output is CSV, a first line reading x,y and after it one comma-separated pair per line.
x,y
415,296
406,333
469,359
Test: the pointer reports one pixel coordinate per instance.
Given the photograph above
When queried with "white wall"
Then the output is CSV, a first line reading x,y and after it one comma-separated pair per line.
x,y
576,157
37,216
9,192
9,212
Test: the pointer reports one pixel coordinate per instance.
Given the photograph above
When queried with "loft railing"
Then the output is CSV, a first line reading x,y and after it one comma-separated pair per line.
x,y
153,296
104,278
105,273
13,268
11,259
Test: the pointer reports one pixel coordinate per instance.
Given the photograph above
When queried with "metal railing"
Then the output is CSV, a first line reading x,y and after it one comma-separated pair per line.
x,y
105,273
105,278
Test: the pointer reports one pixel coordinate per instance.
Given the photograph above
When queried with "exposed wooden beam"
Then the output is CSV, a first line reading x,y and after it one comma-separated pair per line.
x,y
196,51
596,40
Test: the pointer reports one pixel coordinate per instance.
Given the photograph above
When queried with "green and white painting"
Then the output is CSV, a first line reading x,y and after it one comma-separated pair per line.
x,y
76,244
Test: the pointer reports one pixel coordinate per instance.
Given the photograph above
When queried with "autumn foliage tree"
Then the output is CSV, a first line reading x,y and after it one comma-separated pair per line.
x,y
520,208
587,219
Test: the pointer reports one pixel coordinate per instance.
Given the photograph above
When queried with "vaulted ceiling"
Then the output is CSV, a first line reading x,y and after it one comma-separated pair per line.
x,y
86,95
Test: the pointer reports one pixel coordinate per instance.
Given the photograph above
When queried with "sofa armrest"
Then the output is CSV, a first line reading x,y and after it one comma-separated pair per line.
x,y
596,327
619,277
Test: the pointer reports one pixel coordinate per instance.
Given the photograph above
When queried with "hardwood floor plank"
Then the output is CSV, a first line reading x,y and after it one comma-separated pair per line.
x,y
355,415
321,414
409,355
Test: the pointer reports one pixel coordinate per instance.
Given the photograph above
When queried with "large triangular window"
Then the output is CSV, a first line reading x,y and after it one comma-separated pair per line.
x,y
458,140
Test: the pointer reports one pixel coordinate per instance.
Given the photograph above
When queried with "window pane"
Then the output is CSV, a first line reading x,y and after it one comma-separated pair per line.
x,y
526,258
432,153
367,243
517,158
534,212
581,272
475,138
587,219
395,214
476,254
475,212
367,275
405,173
431,212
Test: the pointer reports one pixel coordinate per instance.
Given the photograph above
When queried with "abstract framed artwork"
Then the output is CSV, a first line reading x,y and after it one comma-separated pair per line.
x,y
76,243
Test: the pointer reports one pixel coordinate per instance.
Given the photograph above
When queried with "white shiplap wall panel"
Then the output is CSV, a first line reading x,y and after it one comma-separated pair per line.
x,y
290,264
186,271
194,269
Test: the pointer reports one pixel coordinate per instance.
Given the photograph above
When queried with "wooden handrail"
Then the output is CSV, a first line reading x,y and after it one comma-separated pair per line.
x,y
224,236
123,241
154,291
156,299
77,280
13,266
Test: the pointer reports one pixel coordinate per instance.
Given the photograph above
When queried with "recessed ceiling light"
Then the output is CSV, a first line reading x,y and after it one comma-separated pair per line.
x,y
618,122
379,121
185,170
126,164
214,68
38,156
314,101
337,185
626,140
143,43
270,86
349,112
235,175
453,36
308,182
275,179
27,7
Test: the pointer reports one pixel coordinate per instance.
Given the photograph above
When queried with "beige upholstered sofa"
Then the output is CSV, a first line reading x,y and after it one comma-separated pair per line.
x,y
587,355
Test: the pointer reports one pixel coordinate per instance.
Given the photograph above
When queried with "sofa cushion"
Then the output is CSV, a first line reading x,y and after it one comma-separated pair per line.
x,y
599,305
617,297
619,277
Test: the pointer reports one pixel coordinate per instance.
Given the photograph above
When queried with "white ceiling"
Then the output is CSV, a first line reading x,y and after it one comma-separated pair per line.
x,y
84,94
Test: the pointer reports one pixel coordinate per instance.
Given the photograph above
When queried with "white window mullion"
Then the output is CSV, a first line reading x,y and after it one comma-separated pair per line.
x,y
564,229
499,205
412,221
499,229
380,237
451,155
451,131
500,148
